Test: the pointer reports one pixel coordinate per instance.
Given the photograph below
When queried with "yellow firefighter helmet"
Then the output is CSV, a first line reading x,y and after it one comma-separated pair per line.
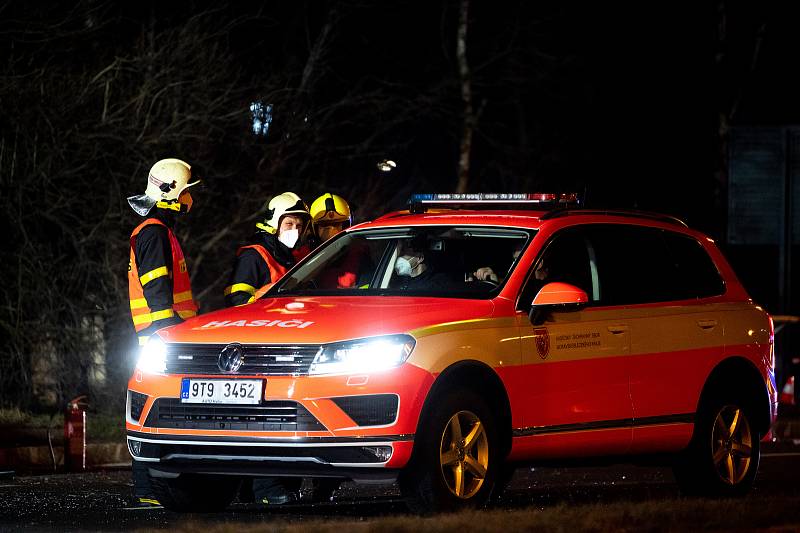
x,y
330,208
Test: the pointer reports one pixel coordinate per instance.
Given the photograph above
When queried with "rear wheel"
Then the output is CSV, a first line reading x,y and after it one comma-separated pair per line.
x,y
195,492
455,458
723,457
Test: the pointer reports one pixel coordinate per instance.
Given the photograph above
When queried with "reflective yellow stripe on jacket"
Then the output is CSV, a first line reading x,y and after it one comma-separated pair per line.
x,y
153,274
152,317
240,287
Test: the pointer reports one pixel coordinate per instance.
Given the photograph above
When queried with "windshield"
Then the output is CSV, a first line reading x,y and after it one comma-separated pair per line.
x,y
452,261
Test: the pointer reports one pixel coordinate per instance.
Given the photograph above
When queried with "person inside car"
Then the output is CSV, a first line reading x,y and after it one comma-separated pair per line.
x,y
488,274
414,273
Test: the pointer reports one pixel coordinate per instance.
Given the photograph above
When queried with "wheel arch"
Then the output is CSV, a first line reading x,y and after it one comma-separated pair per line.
x,y
740,374
484,381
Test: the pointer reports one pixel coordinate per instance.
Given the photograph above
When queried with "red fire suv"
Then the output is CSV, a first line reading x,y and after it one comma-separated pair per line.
x,y
443,345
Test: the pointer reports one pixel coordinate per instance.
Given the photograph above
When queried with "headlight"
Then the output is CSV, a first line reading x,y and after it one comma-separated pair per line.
x,y
365,355
153,356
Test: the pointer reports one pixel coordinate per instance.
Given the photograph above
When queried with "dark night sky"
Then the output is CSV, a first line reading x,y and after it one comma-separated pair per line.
x,y
619,97
624,97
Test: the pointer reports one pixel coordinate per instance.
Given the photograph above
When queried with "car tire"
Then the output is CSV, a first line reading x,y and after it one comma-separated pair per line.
x,y
195,492
448,473
722,458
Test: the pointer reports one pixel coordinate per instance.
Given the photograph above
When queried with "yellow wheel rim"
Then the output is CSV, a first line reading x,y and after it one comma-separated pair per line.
x,y
464,454
731,444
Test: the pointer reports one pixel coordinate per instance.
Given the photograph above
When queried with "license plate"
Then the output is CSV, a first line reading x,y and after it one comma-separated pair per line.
x,y
230,391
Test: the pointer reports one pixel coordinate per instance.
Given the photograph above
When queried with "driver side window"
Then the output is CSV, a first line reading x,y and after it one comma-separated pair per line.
x,y
565,258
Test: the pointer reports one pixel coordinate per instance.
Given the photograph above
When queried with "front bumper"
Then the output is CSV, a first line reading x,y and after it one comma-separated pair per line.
x,y
328,430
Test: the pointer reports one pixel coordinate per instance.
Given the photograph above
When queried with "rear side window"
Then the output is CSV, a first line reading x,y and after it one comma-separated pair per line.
x,y
696,273
639,265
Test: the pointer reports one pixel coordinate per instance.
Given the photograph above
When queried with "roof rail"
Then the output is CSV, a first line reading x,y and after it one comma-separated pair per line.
x,y
558,213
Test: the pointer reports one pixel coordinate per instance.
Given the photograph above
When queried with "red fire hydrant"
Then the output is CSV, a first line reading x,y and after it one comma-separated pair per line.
x,y
75,434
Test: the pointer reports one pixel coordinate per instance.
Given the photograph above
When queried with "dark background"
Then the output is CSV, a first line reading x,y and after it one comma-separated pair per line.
x,y
630,103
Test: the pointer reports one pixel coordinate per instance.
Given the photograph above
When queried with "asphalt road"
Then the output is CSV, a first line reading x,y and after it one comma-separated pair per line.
x,y
101,500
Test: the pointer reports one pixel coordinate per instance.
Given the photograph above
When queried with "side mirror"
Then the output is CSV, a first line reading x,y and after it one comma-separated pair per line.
x,y
556,295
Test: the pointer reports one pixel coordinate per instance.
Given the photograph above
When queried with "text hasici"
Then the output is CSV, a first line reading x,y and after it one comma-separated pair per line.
x,y
294,323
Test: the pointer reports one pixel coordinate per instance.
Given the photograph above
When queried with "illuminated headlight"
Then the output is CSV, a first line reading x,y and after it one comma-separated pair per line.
x,y
365,355
153,356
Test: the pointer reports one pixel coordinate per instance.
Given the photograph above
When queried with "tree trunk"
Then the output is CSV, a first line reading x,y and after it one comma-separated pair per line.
x,y
468,124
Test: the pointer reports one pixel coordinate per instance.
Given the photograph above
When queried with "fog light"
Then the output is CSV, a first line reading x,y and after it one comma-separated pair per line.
x,y
382,453
135,446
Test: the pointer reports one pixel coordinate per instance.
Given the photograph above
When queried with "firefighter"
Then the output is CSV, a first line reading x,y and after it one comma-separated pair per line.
x,y
273,250
330,215
158,278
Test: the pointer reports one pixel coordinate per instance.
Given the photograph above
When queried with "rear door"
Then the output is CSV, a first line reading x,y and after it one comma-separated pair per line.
x,y
661,283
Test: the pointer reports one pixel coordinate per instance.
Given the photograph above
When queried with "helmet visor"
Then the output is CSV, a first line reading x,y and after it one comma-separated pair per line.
x,y
141,203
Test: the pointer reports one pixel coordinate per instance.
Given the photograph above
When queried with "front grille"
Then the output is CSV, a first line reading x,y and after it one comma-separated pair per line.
x,y
371,410
270,360
137,400
274,415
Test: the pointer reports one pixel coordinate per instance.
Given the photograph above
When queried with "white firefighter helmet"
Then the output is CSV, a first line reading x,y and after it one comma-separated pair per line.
x,y
287,203
166,187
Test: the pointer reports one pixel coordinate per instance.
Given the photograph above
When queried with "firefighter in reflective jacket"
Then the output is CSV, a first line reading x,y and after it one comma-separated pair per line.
x,y
273,250
158,279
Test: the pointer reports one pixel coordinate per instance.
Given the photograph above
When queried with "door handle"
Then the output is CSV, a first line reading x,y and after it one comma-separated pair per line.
x,y
618,329
707,323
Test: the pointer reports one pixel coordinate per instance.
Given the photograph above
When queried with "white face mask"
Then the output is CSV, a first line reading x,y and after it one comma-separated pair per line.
x,y
405,265
289,237
402,267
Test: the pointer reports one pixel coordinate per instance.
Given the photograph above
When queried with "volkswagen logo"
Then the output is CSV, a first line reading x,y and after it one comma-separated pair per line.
x,y
231,358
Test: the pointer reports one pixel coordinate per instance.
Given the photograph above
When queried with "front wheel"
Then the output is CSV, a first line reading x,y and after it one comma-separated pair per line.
x,y
723,457
455,457
195,492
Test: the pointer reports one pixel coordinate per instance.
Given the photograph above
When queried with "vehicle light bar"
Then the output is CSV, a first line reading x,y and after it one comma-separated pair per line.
x,y
419,202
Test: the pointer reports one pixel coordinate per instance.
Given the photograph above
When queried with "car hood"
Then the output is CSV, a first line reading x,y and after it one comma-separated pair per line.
x,y
312,320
